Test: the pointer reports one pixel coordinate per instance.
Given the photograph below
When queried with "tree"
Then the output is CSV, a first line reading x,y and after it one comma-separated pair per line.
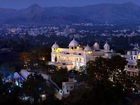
x,y
9,93
138,63
118,75
98,69
79,76
100,88
59,76
36,85
112,69
102,92
137,78
118,63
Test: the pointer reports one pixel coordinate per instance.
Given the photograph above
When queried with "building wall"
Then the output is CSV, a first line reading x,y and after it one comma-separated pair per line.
x,y
76,56
132,57
70,58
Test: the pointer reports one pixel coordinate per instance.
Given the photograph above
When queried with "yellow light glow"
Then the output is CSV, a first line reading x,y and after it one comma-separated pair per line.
x,y
89,52
58,50
139,56
78,47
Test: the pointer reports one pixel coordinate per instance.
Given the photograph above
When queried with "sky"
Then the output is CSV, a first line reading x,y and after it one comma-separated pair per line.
x,y
18,4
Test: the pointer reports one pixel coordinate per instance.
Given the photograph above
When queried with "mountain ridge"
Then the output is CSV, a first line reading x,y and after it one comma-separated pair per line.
x,y
99,13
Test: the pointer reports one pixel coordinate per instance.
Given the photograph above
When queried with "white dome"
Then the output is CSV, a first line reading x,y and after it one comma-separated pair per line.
x,y
55,45
96,46
106,47
73,43
87,48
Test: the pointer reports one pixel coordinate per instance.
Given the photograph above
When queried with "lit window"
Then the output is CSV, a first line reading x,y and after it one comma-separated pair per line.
x,y
58,50
139,56
89,52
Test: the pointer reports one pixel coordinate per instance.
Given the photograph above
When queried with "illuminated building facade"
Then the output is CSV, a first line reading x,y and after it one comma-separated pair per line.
x,y
132,57
76,56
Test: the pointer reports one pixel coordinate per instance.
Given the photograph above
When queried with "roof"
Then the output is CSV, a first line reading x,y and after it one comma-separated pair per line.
x,y
55,45
87,48
106,46
73,43
96,46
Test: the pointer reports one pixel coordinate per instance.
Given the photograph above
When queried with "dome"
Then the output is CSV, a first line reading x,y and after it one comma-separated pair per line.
x,y
106,47
73,43
55,45
87,48
96,46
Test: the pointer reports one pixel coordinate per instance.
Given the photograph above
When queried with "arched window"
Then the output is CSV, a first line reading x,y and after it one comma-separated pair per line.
x,y
55,59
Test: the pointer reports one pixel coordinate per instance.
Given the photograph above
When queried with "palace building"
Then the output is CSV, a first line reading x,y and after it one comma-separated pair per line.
x,y
76,56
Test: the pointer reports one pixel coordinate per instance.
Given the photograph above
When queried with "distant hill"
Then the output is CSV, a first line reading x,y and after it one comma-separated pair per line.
x,y
100,13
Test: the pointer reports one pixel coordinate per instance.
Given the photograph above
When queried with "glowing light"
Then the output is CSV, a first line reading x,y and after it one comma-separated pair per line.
x,y
89,52
43,96
42,58
58,50
139,56
78,47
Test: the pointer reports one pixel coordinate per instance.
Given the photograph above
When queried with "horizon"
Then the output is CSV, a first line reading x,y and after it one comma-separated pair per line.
x,y
66,3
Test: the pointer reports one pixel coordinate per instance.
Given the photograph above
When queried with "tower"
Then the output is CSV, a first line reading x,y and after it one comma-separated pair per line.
x,y
96,46
55,46
106,47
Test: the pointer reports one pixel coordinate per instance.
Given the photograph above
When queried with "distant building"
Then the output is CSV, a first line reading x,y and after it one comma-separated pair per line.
x,y
132,57
76,56
67,87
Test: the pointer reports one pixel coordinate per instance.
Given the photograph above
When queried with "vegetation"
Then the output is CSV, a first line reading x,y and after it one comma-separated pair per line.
x,y
107,84
138,64
59,76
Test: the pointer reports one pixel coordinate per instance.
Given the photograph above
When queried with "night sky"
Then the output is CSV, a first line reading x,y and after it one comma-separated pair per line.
x,y
47,3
